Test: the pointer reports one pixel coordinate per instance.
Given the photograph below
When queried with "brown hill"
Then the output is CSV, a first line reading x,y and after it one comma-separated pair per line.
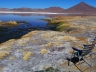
x,y
4,9
81,7
50,9
21,9
54,9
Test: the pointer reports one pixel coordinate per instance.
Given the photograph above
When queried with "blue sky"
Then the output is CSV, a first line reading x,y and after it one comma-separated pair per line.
x,y
43,3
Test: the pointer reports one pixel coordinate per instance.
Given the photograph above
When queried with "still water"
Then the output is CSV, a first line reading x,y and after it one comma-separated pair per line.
x,y
32,22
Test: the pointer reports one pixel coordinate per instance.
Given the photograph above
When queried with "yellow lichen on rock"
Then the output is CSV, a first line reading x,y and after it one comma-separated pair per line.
x,y
27,55
3,54
44,51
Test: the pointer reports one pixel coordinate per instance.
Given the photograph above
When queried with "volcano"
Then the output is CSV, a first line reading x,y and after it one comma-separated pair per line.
x,y
81,7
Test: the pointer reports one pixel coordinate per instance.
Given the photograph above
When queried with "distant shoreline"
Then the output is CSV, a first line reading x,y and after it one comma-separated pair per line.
x,y
35,12
51,13
31,12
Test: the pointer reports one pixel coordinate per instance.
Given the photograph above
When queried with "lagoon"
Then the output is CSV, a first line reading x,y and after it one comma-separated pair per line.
x,y
32,22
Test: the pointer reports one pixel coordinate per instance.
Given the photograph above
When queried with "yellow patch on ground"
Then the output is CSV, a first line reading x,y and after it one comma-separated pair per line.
x,y
53,43
67,17
9,48
27,55
77,44
33,40
82,39
68,38
23,41
64,64
56,38
77,31
45,35
49,34
3,54
11,40
5,48
93,28
44,51
33,33
80,26
49,45
72,68
8,43
11,58
93,68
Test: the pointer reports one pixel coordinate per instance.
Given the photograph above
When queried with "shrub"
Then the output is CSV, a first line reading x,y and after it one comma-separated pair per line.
x,y
11,58
53,43
3,54
27,55
61,23
44,51
49,44
11,23
62,27
68,38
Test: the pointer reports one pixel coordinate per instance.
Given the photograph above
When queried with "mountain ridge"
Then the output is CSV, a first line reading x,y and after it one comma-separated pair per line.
x,y
81,7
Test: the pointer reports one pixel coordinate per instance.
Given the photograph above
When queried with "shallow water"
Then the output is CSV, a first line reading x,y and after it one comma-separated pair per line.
x,y
32,22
